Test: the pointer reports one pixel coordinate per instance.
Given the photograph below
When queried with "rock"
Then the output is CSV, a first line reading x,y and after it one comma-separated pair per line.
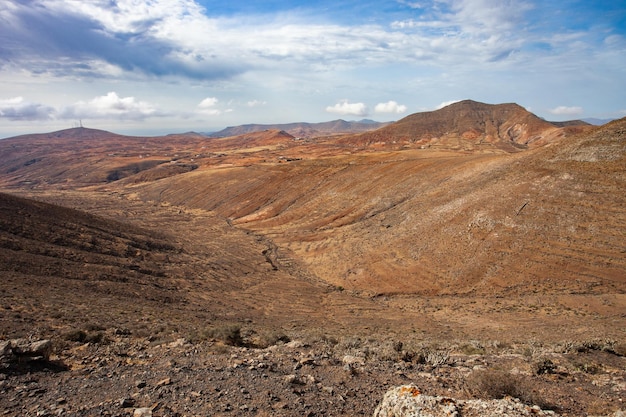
x,y
177,343
127,402
163,382
353,360
408,401
5,348
294,344
142,412
24,348
293,379
307,361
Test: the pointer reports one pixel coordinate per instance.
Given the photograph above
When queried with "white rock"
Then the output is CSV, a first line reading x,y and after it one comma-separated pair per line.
x,y
142,412
353,360
408,401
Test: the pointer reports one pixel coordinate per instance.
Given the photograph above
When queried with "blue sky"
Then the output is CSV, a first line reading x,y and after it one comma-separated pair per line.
x,y
164,66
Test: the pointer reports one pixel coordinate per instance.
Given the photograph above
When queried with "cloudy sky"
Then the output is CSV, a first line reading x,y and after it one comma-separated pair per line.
x,y
164,66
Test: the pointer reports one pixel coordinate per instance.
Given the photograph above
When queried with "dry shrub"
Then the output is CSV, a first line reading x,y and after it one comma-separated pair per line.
x,y
620,349
82,336
270,338
544,366
230,334
434,357
492,384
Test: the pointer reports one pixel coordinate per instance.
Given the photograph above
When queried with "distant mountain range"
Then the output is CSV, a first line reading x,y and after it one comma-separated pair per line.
x,y
303,129
505,125
597,122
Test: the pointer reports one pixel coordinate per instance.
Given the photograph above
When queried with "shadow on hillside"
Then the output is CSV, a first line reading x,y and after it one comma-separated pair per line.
x,y
23,367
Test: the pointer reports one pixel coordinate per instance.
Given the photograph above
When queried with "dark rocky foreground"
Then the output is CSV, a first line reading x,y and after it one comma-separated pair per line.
x,y
118,375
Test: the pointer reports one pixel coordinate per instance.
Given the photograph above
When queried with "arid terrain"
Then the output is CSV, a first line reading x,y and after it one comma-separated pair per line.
x,y
477,251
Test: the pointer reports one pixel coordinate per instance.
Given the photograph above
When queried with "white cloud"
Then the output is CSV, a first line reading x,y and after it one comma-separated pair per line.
x,y
208,102
390,107
207,106
446,103
16,108
111,106
256,103
566,111
346,108
169,38
413,4
491,16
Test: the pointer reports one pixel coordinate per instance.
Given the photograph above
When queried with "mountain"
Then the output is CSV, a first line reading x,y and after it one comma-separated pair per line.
x,y
597,122
571,123
304,130
465,125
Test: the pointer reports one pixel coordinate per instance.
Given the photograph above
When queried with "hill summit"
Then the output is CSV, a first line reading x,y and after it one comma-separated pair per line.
x,y
468,125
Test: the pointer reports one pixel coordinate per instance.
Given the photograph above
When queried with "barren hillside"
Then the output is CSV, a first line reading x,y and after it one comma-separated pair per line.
x,y
395,254
432,222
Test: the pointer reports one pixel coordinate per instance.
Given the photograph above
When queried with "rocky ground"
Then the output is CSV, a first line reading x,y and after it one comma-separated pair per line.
x,y
118,374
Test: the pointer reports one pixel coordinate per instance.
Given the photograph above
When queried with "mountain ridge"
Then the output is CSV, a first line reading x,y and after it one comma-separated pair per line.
x,y
304,129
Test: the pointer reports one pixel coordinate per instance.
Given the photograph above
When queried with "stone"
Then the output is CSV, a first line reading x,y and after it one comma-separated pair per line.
x,y
165,381
142,412
353,360
293,379
408,401
127,402
40,349
5,348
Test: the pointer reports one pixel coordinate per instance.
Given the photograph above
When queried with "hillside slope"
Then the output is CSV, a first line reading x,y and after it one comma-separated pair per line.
x,y
85,157
436,222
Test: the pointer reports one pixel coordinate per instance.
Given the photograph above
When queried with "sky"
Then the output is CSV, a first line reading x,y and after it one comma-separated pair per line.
x,y
149,67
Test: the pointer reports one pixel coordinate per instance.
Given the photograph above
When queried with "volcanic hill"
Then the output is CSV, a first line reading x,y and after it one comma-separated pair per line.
x,y
468,125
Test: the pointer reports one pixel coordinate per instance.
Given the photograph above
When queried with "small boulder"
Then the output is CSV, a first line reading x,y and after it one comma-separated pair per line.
x,y
5,348
142,412
24,348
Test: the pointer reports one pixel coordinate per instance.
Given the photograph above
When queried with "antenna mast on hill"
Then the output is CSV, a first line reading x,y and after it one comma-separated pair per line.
x,y
80,121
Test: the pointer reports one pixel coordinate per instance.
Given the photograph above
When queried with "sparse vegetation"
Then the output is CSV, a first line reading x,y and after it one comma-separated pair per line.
x,y
545,366
494,384
229,334
83,336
